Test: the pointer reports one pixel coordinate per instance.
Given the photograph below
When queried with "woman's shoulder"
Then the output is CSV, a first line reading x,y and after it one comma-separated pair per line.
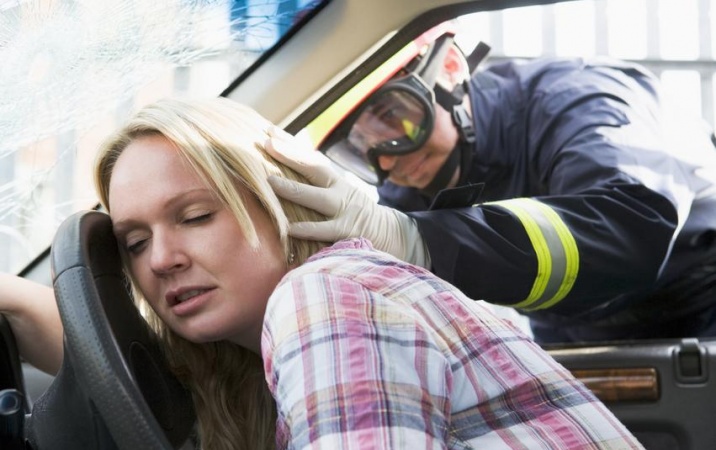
x,y
346,247
356,260
333,288
349,274
344,260
348,258
349,269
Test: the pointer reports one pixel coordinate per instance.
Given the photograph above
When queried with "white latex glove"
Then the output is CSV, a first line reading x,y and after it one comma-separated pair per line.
x,y
351,212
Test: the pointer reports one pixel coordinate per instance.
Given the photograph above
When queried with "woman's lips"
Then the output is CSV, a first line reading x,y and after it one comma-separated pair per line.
x,y
189,294
189,301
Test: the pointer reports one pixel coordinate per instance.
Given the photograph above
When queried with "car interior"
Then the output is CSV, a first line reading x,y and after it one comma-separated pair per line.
x,y
114,390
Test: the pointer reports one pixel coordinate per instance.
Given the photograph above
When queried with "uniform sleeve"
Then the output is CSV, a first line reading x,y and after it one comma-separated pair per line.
x,y
349,370
596,223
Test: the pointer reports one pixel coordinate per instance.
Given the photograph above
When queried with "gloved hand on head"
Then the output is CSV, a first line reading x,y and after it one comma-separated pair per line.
x,y
351,211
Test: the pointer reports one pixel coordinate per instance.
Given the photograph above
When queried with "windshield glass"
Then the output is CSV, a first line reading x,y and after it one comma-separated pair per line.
x,y
73,70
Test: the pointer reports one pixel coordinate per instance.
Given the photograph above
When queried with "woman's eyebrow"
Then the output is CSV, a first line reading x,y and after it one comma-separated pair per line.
x,y
121,227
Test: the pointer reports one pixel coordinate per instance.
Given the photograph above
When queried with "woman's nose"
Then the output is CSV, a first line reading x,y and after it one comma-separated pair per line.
x,y
167,255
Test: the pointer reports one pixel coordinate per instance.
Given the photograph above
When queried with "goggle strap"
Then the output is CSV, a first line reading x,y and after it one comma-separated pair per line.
x,y
478,54
448,99
462,120
432,67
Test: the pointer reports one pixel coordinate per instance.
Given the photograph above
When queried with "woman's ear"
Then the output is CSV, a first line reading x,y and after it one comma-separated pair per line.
x,y
455,69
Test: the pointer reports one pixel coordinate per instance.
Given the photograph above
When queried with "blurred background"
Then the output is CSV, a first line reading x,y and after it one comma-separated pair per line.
x,y
72,70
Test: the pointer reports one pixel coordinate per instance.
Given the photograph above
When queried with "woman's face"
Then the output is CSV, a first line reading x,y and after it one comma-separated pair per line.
x,y
185,249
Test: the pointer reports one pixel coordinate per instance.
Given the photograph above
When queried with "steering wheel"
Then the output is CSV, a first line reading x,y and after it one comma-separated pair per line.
x,y
114,376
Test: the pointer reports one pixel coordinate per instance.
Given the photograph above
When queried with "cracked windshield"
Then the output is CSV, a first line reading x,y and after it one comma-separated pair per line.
x,y
72,70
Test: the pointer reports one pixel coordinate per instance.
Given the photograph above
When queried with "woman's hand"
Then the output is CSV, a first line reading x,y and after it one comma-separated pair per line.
x,y
350,210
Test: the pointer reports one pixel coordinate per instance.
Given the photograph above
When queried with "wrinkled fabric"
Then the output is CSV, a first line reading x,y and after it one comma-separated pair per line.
x,y
362,351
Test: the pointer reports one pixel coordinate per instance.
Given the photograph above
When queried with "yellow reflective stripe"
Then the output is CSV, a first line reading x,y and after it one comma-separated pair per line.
x,y
555,249
571,255
539,244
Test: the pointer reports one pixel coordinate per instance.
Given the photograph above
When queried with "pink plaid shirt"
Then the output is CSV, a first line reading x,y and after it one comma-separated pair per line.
x,y
362,351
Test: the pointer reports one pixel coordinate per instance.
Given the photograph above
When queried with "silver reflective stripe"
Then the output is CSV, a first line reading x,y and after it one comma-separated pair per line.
x,y
555,248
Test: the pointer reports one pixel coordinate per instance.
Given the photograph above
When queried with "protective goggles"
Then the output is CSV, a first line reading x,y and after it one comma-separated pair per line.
x,y
395,120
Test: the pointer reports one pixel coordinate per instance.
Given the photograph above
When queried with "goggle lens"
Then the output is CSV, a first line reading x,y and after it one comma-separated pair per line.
x,y
395,122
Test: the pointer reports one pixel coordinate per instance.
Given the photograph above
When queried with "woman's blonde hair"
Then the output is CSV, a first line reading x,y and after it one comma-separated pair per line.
x,y
223,142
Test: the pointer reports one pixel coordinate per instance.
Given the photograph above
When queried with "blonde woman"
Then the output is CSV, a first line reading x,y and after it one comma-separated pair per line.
x,y
293,344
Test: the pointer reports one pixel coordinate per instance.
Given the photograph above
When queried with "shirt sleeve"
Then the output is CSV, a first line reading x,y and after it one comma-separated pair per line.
x,y
351,370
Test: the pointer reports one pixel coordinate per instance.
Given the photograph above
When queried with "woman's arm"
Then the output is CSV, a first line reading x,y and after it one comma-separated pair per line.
x,y
31,310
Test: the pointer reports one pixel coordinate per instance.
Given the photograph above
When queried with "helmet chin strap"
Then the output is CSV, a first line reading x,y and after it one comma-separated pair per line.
x,y
452,101
444,175
461,155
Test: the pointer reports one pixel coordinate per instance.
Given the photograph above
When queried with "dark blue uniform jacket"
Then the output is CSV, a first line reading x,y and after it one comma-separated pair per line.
x,y
632,181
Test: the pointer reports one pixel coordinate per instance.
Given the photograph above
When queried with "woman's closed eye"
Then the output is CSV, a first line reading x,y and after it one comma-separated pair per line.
x,y
198,218
135,247
135,241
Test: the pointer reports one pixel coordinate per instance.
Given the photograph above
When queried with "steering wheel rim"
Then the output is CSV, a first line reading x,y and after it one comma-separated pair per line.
x,y
116,357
